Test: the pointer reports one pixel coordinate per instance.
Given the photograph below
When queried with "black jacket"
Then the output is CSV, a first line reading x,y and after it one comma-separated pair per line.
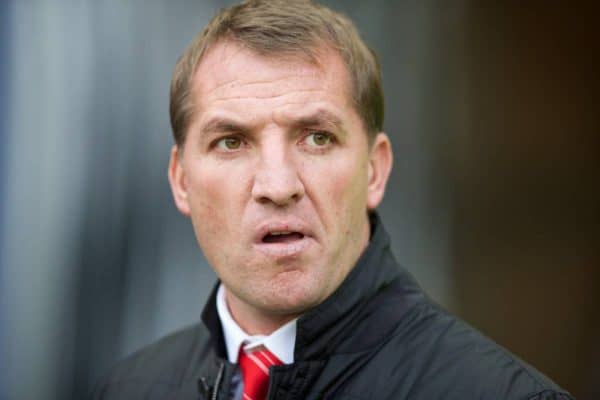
x,y
377,337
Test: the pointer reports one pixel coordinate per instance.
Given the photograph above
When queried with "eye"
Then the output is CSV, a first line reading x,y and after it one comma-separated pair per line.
x,y
229,143
319,139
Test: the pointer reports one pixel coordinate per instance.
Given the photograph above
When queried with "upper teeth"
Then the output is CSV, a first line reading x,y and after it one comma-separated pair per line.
x,y
281,233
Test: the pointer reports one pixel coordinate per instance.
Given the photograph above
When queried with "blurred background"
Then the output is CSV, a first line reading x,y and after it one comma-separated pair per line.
x,y
493,203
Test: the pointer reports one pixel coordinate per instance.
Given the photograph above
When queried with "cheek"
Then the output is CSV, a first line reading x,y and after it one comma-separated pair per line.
x,y
342,188
351,181
216,203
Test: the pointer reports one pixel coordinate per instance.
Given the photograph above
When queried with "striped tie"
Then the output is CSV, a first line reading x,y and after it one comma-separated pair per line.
x,y
255,372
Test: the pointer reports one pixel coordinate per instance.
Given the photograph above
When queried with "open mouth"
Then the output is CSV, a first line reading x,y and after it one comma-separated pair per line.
x,y
282,237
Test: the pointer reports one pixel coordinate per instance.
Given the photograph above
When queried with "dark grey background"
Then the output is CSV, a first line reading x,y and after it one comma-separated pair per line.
x,y
492,203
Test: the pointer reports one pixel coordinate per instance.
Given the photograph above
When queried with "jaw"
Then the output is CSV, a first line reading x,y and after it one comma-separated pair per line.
x,y
278,280
263,319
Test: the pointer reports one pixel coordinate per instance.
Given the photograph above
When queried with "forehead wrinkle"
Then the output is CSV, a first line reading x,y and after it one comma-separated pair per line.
x,y
274,96
226,54
231,84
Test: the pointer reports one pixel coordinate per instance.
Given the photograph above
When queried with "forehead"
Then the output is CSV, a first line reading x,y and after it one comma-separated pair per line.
x,y
231,76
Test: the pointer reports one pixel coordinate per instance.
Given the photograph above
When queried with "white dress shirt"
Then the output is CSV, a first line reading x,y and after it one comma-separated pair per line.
x,y
280,342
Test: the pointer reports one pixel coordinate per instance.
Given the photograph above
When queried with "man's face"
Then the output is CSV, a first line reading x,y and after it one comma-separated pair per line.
x,y
277,176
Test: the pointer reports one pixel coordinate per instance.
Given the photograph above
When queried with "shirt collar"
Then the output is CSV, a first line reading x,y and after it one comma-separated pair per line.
x,y
281,342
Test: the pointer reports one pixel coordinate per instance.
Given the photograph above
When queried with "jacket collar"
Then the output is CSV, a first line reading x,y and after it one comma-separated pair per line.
x,y
350,320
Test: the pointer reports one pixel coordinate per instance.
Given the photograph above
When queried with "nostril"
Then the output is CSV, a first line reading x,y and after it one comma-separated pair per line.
x,y
278,186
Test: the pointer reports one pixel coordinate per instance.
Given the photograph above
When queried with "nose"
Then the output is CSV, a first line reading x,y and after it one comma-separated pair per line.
x,y
276,179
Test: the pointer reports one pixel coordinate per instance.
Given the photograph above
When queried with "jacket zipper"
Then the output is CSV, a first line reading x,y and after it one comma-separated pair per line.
x,y
218,382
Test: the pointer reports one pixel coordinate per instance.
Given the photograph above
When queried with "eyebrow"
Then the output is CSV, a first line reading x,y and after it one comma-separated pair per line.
x,y
319,118
219,124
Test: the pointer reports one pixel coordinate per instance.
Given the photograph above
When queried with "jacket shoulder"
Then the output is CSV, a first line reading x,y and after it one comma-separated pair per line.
x,y
161,366
447,358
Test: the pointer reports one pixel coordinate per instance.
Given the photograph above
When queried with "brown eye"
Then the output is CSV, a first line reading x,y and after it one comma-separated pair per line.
x,y
318,139
229,143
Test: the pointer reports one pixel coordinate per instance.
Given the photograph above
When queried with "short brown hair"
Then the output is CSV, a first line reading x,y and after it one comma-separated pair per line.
x,y
282,27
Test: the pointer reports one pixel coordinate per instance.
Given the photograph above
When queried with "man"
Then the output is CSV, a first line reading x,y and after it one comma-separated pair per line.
x,y
280,162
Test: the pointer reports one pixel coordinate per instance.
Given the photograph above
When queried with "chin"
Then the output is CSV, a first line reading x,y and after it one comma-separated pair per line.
x,y
293,298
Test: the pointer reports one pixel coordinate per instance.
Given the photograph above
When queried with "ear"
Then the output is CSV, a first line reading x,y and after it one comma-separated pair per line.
x,y
380,165
177,180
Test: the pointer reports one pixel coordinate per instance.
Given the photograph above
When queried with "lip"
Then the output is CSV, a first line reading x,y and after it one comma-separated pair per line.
x,y
283,249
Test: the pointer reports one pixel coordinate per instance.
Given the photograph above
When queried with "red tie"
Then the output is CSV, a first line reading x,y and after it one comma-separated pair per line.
x,y
255,372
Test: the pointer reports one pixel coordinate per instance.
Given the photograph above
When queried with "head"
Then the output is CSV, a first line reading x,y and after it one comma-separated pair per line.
x,y
277,110
280,28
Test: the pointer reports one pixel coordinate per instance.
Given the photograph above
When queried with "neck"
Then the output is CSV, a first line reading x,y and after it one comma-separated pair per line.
x,y
254,322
